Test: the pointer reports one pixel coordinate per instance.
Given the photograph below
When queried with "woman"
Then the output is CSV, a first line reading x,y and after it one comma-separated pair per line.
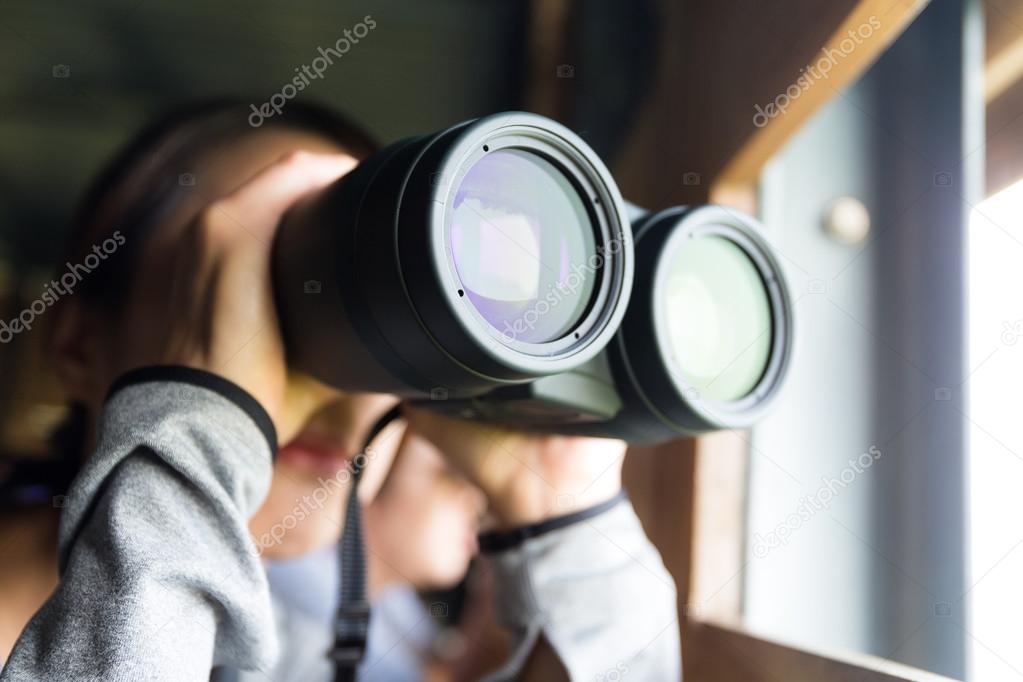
x,y
171,353
149,193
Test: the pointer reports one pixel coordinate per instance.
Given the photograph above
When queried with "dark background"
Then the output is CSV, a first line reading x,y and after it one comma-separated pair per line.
x,y
425,66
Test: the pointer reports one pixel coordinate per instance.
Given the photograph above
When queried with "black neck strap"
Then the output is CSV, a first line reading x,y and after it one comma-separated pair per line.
x,y
351,624
502,540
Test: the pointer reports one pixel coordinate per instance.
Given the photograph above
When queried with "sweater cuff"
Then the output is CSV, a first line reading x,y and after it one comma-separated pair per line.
x,y
503,540
203,379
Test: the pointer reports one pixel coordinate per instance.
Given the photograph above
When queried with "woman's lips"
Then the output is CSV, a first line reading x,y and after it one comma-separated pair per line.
x,y
313,457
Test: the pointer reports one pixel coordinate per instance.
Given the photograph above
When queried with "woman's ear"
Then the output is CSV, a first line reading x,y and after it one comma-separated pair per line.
x,y
75,345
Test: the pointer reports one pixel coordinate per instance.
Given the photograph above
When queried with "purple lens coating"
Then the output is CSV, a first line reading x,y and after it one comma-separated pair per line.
x,y
523,246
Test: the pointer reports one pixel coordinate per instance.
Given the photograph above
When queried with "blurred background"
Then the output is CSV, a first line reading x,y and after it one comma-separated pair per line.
x,y
887,179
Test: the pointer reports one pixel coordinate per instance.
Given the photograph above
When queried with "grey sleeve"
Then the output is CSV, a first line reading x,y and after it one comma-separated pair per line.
x,y
598,593
160,579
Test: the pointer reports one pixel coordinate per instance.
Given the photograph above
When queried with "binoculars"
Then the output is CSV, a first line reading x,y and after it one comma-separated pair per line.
x,y
493,271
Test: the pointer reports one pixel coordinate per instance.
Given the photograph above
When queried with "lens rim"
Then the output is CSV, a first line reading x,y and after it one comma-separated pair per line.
x,y
599,194
645,343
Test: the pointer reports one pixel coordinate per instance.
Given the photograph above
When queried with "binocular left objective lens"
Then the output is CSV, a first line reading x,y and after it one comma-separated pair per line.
x,y
492,253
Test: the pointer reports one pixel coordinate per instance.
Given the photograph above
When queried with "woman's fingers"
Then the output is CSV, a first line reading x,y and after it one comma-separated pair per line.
x,y
214,282
263,200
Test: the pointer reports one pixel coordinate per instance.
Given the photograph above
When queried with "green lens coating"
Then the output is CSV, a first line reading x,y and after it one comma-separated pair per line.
x,y
718,317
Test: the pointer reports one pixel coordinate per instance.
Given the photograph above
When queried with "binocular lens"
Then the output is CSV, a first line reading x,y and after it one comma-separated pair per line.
x,y
718,317
705,343
493,253
520,237
711,348
488,269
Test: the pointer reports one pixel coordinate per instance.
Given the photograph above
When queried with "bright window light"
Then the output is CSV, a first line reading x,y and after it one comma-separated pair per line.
x,y
996,436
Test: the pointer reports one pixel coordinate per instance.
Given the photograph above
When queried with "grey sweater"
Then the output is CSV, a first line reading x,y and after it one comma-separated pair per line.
x,y
160,579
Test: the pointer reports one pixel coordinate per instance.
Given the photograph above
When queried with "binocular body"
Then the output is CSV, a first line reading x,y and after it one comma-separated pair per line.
x,y
493,271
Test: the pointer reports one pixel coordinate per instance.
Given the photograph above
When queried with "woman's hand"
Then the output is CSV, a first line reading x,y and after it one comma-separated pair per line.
x,y
526,477
217,311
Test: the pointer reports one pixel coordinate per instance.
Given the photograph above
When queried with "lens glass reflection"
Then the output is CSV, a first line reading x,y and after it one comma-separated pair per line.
x,y
522,244
718,317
